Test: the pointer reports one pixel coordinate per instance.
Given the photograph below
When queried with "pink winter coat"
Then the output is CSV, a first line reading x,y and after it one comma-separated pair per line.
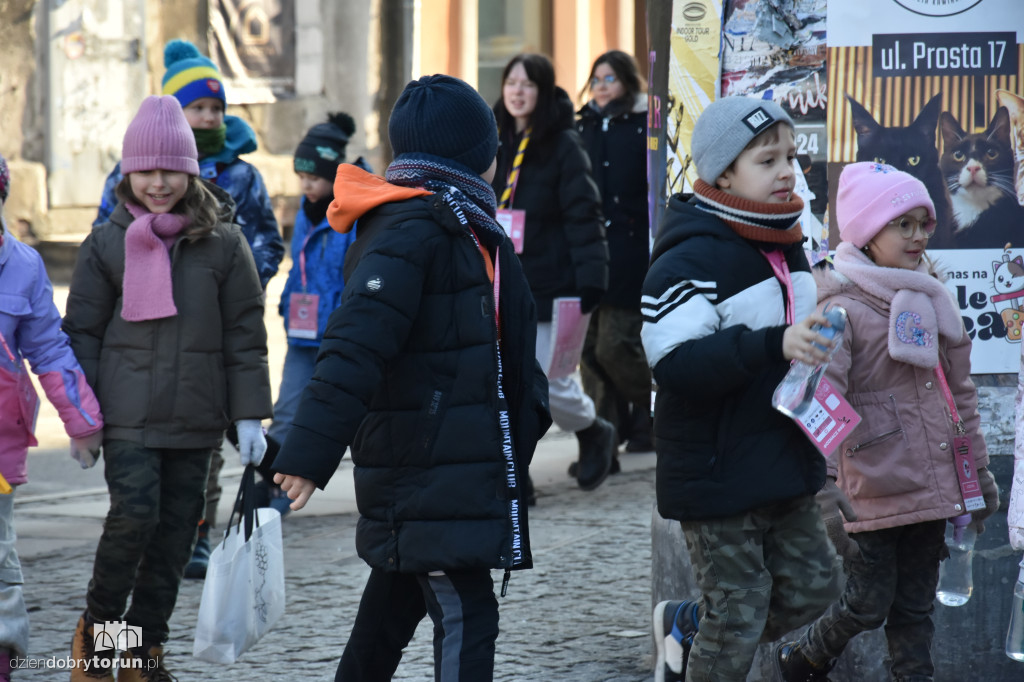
x,y
897,466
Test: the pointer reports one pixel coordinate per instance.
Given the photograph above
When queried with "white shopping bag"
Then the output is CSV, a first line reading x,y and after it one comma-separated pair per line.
x,y
244,591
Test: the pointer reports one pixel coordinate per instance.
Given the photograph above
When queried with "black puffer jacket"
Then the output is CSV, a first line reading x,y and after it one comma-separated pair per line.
x,y
714,317
616,140
564,247
408,376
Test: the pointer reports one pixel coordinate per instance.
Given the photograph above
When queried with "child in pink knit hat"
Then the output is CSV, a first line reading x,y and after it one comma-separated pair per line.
x,y
165,313
905,366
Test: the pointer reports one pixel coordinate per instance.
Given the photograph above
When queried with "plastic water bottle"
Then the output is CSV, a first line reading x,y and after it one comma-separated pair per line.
x,y
797,389
1015,635
956,582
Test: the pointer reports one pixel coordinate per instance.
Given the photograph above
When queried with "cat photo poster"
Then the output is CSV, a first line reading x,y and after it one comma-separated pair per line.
x,y
937,90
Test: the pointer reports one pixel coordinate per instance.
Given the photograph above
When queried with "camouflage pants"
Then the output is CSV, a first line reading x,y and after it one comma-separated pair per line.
x,y
156,500
893,582
761,574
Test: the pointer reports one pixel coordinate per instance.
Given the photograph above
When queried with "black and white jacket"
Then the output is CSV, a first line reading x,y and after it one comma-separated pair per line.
x,y
714,315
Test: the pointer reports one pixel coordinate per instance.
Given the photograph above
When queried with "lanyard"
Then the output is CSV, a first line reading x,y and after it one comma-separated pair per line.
x,y
954,415
513,175
781,270
7,348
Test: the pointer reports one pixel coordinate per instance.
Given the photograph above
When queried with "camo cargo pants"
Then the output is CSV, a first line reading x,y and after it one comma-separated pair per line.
x,y
893,582
761,574
156,500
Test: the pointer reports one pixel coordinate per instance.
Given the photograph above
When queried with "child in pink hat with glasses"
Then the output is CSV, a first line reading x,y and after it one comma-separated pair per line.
x,y
905,367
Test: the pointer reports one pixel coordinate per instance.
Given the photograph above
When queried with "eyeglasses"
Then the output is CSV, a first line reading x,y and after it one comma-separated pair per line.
x,y
607,80
907,227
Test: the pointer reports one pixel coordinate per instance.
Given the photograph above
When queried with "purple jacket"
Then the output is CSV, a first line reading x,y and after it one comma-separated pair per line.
x,y
30,330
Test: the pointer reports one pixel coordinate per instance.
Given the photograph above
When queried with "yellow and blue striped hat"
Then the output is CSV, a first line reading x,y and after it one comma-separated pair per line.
x,y
189,74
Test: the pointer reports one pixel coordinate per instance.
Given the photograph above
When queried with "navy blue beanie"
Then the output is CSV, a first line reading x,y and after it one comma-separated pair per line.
x,y
446,117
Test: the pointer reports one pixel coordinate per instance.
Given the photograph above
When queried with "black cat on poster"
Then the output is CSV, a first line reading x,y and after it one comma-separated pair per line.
x,y
978,168
910,149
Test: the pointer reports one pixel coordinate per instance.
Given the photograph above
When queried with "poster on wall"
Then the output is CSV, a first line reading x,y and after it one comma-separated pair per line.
x,y
685,39
937,90
253,44
776,51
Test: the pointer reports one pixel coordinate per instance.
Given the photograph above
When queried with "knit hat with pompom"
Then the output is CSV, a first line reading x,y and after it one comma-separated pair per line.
x,y
190,75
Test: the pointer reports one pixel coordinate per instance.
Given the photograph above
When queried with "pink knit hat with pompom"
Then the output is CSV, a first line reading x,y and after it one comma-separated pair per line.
x,y
159,138
870,195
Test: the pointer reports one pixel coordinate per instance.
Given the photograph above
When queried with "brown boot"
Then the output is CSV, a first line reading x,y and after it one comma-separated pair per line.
x,y
144,664
90,665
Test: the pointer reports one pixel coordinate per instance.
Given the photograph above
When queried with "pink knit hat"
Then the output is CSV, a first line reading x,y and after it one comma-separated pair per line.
x,y
159,137
870,195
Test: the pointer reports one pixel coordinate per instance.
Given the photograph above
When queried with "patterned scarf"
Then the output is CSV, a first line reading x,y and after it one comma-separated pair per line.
x,y
754,220
446,177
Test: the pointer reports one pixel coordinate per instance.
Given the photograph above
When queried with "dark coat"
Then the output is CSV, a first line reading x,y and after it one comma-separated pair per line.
x,y
714,316
408,376
175,382
564,245
616,140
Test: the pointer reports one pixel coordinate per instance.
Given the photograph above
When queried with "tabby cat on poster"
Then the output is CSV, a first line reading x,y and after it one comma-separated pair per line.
x,y
978,168
910,149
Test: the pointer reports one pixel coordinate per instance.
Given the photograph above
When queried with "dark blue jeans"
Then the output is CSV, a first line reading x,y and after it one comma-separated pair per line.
x,y
460,603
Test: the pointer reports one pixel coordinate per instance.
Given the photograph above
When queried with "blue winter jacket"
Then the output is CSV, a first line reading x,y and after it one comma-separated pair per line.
x,y
243,182
325,252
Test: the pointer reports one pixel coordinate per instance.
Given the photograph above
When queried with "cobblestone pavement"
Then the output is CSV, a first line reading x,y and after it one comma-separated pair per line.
x,y
583,614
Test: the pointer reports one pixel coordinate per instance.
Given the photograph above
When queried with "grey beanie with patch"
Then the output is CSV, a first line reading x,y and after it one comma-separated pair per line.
x,y
726,127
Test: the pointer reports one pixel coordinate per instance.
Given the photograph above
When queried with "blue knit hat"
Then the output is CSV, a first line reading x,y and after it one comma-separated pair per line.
x,y
446,117
190,75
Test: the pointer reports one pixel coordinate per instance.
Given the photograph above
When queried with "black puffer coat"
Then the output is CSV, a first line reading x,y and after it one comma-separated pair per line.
x,y
564,247
408,376
616,140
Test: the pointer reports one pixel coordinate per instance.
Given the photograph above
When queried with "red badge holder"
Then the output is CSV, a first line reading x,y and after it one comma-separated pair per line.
x,y
966,472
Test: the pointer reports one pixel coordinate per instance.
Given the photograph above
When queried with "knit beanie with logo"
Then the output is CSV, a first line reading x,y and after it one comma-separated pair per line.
x,y
726,127
323,147
190,75
870,195
444,116
159,138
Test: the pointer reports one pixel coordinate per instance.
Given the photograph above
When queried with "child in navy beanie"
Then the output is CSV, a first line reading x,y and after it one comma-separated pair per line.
x,y
315,281
443,391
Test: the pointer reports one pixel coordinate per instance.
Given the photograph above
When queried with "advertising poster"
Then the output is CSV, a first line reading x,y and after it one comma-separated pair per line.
x,y
777,50
936,89
252,42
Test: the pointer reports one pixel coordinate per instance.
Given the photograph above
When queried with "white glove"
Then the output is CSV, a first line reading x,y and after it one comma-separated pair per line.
x,y
252,444
87,450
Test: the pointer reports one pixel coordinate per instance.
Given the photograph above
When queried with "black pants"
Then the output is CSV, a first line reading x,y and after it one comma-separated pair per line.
x,y
460,603
156,500
892,582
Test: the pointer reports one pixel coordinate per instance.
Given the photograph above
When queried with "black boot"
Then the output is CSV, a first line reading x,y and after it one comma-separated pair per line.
x,y
640,439
793,666
597,446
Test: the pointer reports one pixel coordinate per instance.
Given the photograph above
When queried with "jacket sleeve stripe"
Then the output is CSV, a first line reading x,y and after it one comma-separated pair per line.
x,y
691,315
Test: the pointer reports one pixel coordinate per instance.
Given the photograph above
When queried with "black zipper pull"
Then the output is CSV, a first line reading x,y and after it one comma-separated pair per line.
x,y
504,582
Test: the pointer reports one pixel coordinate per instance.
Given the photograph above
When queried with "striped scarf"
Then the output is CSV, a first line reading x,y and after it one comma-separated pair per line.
x,y
444,176
753,220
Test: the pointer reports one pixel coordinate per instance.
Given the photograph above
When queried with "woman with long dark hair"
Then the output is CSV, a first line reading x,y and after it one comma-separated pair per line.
x,y
544,172
613,127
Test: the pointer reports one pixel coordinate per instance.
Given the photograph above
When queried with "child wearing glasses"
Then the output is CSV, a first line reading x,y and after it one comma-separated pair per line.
x,y
905,367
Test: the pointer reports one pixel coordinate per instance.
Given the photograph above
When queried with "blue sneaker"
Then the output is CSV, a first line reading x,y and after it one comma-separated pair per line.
x,y
675,624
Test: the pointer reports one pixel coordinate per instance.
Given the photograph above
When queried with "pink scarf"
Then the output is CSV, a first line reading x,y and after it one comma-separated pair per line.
x,y
147,292
920,307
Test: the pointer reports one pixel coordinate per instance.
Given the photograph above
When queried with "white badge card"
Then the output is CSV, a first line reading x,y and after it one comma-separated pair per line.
x,y
513,221
302,315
